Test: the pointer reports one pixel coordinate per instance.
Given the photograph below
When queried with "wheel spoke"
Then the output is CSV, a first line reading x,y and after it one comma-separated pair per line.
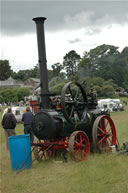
x,y
100,144
72,111
43,155
70,90
77,151
79,116
76,142
81,103
100,129
80,140
101,124
69,102
82,154
76,95
110,134
110,140
101,140
107,144
83,140
99,134
39,150
106,125
109,130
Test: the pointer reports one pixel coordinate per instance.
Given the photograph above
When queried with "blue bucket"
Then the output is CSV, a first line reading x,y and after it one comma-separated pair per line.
x,y
20,152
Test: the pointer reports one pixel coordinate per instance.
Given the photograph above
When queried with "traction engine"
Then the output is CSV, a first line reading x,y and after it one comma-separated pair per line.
x,y
70,122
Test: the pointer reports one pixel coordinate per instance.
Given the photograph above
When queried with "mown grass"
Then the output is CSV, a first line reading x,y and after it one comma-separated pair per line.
x,y
121,122
100,173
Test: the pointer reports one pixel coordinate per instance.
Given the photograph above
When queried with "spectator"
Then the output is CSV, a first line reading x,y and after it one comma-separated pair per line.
x,y
9,124
27,118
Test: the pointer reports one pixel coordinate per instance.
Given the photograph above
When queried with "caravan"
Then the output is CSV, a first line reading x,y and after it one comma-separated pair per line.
x,y
17,111
106,105
110,105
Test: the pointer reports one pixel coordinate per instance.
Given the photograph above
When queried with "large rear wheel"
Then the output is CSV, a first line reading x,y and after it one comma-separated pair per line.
x,y
103,134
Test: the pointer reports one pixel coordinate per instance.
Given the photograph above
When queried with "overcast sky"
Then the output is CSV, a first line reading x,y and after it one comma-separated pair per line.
x,y
70,25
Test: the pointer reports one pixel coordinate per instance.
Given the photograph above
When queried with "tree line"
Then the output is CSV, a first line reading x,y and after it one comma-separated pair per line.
x,y
13,95
103,68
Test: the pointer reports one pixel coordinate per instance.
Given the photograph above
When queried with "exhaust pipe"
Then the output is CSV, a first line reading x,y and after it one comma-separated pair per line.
x,y
45,103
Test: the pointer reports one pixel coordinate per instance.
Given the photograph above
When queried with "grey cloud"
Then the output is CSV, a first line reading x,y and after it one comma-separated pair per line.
x,y
93,30
76,40
93,21
16,17
79,20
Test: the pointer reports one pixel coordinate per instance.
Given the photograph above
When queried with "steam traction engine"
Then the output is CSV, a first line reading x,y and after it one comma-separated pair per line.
x,y
70,122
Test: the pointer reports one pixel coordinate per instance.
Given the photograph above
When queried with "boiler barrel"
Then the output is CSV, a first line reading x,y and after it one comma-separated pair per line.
x,y
49,124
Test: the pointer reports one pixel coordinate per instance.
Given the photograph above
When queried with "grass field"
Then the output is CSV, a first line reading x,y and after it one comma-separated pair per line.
x,y
100,173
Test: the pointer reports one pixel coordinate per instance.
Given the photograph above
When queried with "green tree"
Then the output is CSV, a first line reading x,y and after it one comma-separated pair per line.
x,y
98,90
22,92
21,75
111,82
89,82
1,99
97,81
57,88
25,74
50,75
35,73
9,95
13,94
98,61
120,72
124,54
108,91
70,63
57,67
107,62
5,69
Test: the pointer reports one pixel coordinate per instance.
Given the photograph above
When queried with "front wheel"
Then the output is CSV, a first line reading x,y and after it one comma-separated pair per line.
x,y
79,146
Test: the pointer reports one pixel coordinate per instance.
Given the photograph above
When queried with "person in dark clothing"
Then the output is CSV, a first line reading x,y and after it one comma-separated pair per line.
x,y
27,118
9,124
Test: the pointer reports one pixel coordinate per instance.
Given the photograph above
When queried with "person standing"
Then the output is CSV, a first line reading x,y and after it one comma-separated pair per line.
x,y
9,124
27,118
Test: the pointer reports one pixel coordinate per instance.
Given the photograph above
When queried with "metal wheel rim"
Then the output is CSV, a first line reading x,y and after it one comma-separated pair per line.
x,y
103,134
79,146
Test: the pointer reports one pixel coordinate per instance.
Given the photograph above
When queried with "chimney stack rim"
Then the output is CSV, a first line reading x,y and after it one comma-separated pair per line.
x,y
39,19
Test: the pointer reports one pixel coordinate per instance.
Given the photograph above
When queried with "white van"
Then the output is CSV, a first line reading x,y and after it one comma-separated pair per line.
x,y
110,104
106,105
17,111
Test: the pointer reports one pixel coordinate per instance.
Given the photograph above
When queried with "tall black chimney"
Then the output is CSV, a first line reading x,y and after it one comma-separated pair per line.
x,y
42,62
